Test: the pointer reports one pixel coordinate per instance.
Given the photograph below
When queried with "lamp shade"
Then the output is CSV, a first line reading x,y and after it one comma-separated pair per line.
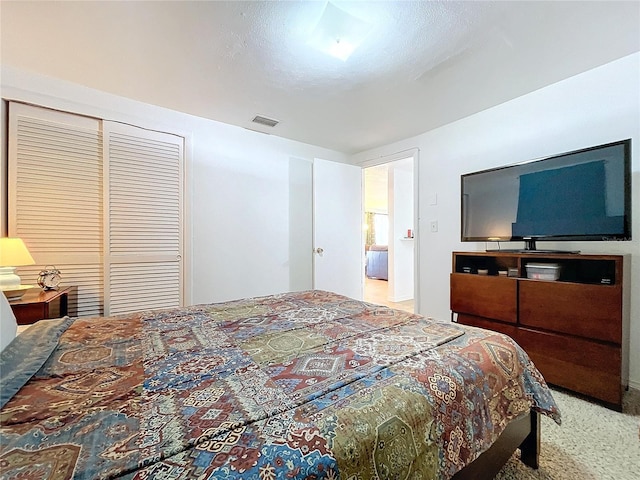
x,y
14,253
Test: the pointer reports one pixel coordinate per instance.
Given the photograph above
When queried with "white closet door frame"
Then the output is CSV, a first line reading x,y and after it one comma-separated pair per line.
x,y
144,219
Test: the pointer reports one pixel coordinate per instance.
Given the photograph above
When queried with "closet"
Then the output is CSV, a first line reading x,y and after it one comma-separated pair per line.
x,y
103,202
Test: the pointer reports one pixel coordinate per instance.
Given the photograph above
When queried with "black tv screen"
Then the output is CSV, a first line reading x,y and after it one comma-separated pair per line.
x,y
579,195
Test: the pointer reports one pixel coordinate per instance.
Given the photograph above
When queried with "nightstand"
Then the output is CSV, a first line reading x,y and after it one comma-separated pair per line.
x,y
37,304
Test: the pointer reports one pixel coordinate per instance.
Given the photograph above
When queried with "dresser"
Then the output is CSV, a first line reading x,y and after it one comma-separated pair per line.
x,y
575,328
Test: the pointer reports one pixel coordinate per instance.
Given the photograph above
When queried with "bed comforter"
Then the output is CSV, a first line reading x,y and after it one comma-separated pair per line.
x,y
308,385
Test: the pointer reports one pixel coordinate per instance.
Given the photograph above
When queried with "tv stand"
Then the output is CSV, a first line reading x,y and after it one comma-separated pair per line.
x,y
575,329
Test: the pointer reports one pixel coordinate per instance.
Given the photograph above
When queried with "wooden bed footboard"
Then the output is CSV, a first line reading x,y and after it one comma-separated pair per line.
x,y
523,433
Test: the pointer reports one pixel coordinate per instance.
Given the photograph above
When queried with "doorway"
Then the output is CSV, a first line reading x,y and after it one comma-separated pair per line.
x,y
389,233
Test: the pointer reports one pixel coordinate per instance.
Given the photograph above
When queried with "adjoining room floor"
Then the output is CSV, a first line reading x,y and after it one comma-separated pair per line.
x,y
375,291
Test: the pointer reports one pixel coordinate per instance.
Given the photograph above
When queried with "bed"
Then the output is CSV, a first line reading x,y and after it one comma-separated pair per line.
x,y
307,385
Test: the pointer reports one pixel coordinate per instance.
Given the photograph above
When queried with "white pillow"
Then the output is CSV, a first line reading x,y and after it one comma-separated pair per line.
x,y
8,324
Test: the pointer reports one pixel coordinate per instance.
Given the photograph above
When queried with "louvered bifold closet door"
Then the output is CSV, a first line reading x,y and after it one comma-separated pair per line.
x,y
55,197
144,197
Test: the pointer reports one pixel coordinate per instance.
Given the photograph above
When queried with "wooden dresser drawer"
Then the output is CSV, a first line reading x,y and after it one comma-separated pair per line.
x,y
506,328
580,365
590,311
484,296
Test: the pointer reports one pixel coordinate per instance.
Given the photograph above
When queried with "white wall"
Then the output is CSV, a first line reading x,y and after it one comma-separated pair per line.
x,y
239,185
248,194
598,106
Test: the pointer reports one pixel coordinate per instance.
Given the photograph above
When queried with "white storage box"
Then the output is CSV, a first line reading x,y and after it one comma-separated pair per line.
x,y
543,271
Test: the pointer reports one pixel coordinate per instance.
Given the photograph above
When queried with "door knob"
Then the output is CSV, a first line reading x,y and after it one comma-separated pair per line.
x,y
319,250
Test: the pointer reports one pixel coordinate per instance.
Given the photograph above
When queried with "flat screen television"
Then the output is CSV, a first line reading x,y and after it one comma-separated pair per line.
x,y
573,196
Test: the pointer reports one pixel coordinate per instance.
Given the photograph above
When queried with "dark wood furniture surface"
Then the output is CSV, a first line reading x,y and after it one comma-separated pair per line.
x,y
37,304
522,433
575,329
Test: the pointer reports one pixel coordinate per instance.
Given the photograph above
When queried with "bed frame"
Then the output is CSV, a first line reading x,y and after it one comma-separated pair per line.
x,y
523,433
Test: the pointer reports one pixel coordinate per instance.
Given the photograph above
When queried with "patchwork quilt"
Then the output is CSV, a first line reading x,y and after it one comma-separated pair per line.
x,y
308,385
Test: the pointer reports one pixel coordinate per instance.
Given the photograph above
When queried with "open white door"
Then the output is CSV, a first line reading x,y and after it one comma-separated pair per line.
x,y
337,228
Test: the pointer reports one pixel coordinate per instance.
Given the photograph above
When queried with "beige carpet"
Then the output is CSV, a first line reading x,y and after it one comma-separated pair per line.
x,y
593,443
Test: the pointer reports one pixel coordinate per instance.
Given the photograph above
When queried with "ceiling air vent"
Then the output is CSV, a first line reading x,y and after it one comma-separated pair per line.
x,y
269,122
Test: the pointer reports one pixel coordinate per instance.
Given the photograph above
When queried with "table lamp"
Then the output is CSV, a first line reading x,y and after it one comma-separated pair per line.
x,y
13,253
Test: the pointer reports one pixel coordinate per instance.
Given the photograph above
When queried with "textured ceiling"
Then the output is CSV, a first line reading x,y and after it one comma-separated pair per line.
x,y
423,65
